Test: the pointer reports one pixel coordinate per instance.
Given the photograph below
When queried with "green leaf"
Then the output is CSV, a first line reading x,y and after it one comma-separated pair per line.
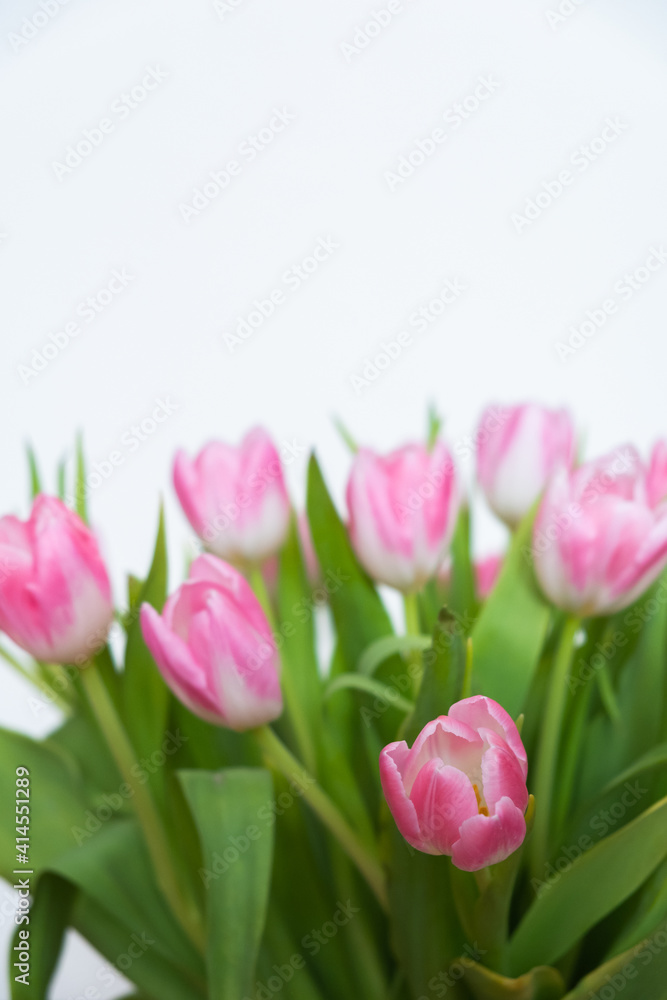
x,y
62,479
652,758
49,916
376,689
346,436
442,681
359,614
111,936
649,908
389,645
111,866
511,629
296,632
541,983
359,618
640,973
57,803
434,425
80,481
146,696
232,811
35,483
593,885
462,600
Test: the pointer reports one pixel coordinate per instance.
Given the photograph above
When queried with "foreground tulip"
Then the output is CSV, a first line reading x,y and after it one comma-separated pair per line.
x,y
518,450
656,477
235,497
214,648
403,509
461,789
55,597
597,542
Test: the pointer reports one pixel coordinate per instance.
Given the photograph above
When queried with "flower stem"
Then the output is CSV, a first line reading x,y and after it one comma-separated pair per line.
x,y
412,627
549,745
280,758
297,718
182,905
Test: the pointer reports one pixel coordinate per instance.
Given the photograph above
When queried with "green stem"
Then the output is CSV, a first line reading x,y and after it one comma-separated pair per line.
x,y
413,628
549,744
111,726
280,758
294,710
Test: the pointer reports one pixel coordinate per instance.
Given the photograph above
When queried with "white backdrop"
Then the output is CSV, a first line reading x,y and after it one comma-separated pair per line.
x,y
404,139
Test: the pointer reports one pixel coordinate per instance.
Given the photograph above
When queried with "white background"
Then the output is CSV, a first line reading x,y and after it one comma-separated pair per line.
x,y
324,176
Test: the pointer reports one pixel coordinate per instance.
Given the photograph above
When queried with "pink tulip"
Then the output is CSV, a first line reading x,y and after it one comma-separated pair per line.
x,y
403,509
214,648
461,789
656,477
55,597
235,497
518,450
597,542
487,571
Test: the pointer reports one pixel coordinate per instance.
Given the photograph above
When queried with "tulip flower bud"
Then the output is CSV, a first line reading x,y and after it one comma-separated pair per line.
x,y
403,509
518,450
55,596
461,789
597,542
656,477
214,647
235,498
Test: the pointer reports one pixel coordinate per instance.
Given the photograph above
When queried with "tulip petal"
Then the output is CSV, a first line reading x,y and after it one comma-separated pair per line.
x,y
448,741
480,712
392,761
502,774
487,840
444,798
179,667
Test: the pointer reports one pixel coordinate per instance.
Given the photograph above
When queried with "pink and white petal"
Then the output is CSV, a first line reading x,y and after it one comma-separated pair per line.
x,y
443,798
450,742
392,761
188,491
502,775
487,840
482,712
183,674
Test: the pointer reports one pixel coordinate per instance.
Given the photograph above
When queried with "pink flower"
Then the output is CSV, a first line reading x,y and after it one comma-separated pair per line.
x,y
403,509
518,450
656,477
55,597
486,574
214,648
461,789
597,542
235,497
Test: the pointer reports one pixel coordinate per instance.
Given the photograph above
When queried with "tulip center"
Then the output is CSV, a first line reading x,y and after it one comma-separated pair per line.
x,y
481,806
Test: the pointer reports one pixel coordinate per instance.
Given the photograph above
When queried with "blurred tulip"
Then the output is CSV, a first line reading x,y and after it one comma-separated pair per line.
x,y
214,647
597,543
235,497
461,789
656,477
55,596
518,450
403,509
486,574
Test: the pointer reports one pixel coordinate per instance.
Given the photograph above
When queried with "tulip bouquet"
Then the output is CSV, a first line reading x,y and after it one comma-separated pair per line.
x,y
263,786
